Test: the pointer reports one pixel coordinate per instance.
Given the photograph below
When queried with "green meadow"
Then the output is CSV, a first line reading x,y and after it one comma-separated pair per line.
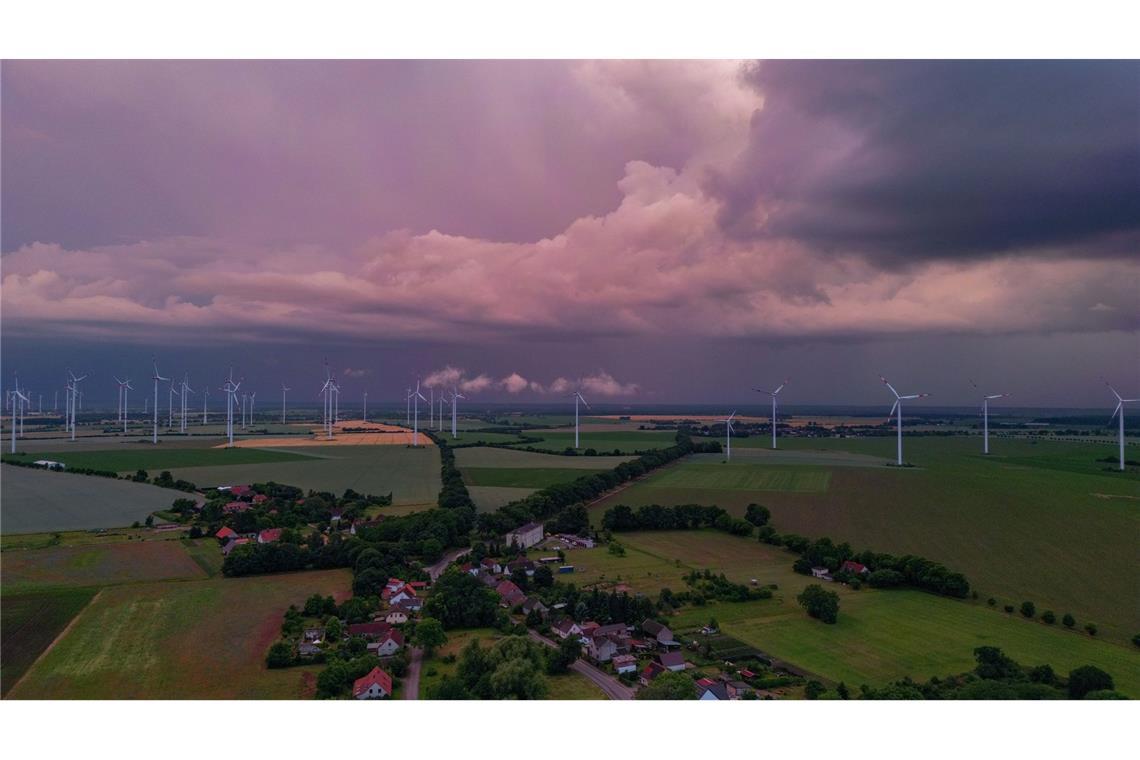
x,y
604,441
1036,521
522,477
156,459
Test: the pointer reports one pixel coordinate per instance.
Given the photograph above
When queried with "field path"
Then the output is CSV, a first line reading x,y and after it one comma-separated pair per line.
x,y
66,629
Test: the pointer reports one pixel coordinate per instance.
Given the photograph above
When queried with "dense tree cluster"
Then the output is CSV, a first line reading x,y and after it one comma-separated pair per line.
x,y
512,668
908,570
669,686
602,607
453,494
708,585
459,600
820,603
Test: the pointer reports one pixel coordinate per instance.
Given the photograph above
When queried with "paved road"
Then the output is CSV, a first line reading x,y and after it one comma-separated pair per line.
x,y
411,682
436,570
612,687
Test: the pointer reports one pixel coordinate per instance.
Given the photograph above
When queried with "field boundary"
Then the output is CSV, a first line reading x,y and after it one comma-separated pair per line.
x,y
66,629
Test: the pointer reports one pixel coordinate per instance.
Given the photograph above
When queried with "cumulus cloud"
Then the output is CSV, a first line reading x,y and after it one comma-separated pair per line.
x,y
447,377
604,384
476,384
514,383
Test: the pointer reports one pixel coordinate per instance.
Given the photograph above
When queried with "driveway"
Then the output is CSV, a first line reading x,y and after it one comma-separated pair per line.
x,y
436,570
610,686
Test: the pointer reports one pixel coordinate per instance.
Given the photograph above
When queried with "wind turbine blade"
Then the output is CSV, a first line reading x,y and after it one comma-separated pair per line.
x,y
1114,393
896,405
781,386
1119,406
889,386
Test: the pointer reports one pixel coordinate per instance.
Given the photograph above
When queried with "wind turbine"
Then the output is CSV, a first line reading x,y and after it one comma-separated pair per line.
x,y
326,393
252,400
366,406
773,395
205,399
431,408
74,394
898,405
414,398
170,406
186,389
119,418
124,386
577,396
283,389
157,377
1120,402
230,389
986,417
455,396
728,436
408,404
17,398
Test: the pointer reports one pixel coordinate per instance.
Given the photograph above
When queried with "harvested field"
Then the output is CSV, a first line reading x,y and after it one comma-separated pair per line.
x,y
347,433
121,562
31,623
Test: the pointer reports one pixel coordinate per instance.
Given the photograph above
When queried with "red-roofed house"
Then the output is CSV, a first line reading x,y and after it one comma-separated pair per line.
x,y
649,672
236,506
260,498
225,533
269,535
369,630
853,567
376,685
390,643
404,594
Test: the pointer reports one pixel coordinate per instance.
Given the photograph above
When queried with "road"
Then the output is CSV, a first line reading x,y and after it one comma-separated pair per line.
x,y
436,570
610,686
411,683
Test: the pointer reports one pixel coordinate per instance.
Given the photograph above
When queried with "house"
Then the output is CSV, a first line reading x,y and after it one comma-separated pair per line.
x,y
335,514
533,604
526,565
712,692
236,506
822,573
618,630
510,595
588,627
660,632
260,498
674,661
625,663
395,616
308,649
269,535
376,685
567,627
602,648
225,533
50,464
650,672
413,604
524,536
239,491
491,565
855,568
419,586
315,633
405,593
389,644
233,544
373,630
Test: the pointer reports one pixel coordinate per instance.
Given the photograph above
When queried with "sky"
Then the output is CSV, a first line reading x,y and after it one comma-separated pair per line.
x,y
648,231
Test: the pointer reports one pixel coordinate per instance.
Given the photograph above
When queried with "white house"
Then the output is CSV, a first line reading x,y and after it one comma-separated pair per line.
x,y
525,536
376,685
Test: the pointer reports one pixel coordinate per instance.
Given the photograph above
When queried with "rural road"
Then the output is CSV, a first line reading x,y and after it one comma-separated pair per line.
x,y
436,570
412,679
612,687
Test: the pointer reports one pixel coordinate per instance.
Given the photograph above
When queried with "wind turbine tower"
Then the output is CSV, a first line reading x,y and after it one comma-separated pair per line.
x,y
898,406
455,396
577,396
986,417
728,437
157,378
773,395
1120,402
414,398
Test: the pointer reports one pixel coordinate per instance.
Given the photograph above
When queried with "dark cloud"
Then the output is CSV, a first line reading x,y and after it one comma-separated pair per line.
x,y
941,159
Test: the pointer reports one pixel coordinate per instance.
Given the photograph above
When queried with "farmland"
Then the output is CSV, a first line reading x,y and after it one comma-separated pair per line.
x,y
881,635
121,562
40,501
168,640
1034,521
490,498
744,477
480,456
31,623
498,476
522,477
605,441
411,475
155,459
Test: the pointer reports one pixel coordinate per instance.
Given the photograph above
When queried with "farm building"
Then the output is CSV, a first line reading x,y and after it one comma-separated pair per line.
x,y
660,632
269,535
525,536
625,663
674,661
50,464
856,568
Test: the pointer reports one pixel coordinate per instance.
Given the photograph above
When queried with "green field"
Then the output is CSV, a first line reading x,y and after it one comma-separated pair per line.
x,y
522,477
480,456
411,475
156,459
31,623
1034,521
181,640
490,498
37,501
625,441
743,477
471,436
881,635
110,564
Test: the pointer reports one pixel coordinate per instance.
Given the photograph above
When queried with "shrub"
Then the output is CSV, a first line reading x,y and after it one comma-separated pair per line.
x,y
1087,679
991,601
1008,608
1048,617
1091,628
1069,621
819,603
1028,610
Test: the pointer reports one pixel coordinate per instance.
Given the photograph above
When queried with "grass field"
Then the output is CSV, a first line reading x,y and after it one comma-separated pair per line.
x,y
627,442
522,477
181,640
36,501
744,477
1034,521
572,686
881,635
31,623
156,459
411,475
490,498
480,456
121,562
